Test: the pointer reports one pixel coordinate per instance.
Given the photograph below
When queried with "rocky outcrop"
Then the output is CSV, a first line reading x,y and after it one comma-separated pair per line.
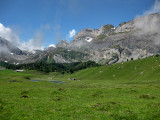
x,y
125,27
135,39
106,29
62,43
86,33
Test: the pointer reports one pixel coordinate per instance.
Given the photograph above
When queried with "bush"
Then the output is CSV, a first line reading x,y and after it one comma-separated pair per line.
x,y
157,55
101,37
103,61
115,55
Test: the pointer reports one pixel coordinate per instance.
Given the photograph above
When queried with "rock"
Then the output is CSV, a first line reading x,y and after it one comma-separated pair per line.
x,y
86,33
125,27
60,89
24,96
12,81
106,29
74,79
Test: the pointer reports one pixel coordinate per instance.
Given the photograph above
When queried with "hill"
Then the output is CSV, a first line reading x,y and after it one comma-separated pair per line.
x,y
143,70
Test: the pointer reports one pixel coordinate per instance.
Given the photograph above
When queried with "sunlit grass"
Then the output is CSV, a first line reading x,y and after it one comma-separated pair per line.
x,y
117,92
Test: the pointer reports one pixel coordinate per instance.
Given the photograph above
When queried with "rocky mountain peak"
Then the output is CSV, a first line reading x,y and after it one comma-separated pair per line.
x,y
86,33
62,43
106,29
125,27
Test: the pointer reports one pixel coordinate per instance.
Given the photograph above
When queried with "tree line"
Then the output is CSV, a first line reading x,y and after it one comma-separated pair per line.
x,y
51,67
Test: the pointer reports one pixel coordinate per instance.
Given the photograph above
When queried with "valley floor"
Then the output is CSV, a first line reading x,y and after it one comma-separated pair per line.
x,y
98,97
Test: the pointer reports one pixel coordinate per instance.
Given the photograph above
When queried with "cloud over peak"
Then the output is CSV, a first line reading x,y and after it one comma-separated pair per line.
x,y
9,34
72,33
155,8
35,43
149,23
31,44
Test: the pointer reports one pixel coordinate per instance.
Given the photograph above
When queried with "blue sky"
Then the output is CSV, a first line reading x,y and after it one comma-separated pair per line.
x,y
51,20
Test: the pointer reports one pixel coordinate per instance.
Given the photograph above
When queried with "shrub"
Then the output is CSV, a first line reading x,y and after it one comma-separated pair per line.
x,y
101,37
115,55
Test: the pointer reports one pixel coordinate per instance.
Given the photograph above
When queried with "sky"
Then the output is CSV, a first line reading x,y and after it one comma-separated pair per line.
x,y
36,24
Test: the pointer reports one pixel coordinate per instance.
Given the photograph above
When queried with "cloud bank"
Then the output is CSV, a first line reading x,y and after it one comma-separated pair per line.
x,y
3,49
32,44
72,33
35,43
149,23
154,9
8,34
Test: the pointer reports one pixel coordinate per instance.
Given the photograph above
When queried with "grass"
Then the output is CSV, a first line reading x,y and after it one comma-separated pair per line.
x,y
128,91
101,37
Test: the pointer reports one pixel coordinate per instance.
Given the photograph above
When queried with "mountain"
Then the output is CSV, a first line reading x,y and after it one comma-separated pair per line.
x,y
138,38
11,53
9,47
135,39
59,55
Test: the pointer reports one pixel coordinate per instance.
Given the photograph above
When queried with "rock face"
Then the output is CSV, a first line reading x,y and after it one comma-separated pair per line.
x,y
125,27
106,29
86,33
135,39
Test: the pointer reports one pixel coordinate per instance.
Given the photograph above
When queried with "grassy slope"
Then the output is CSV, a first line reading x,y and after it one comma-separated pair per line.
x,y
142,70
129,91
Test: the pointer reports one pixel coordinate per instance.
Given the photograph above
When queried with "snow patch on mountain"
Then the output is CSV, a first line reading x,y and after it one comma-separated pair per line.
x,y
11,53
88,39
33,51
52,45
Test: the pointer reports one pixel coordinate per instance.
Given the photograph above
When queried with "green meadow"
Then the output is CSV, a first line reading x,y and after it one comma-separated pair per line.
x,y
123,91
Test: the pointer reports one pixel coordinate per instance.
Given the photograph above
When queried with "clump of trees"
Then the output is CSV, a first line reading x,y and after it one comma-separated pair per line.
x,y
51,67
83,65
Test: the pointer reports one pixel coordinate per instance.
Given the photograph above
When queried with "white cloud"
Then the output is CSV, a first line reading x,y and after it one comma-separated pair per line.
x,y
35,43
52,45
32,44
155,8
72,33
9,34
149,23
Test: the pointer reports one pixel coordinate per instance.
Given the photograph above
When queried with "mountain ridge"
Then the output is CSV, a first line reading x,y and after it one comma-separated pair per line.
x,y
138,38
